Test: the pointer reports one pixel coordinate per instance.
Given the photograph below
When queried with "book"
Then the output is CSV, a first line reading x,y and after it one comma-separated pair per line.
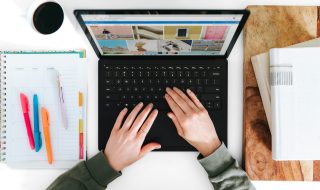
x,y
261,63
295,102
28,72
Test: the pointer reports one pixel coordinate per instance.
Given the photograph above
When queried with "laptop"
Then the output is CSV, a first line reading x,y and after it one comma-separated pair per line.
x,y
141,52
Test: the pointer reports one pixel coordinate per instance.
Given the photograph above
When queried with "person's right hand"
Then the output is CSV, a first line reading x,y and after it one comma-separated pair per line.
x,y
192,120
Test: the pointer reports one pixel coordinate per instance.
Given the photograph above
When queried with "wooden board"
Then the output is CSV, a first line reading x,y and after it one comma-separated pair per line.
x,y
268,27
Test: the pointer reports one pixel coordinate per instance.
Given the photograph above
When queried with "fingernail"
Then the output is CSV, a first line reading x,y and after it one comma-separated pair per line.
x,y
169,115
141,103
124,109
158,147
167,88
188,90
150,104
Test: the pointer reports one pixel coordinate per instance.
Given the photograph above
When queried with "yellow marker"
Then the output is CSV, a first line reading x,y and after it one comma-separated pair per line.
x,y
81,126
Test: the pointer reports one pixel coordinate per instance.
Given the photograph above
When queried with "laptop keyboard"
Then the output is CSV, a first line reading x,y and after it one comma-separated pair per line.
x,y
126,86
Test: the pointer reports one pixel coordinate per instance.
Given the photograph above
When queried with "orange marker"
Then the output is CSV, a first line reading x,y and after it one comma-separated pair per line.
x,y
46,132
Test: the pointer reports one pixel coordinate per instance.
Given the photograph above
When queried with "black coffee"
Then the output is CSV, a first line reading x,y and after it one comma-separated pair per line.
x,y
48,18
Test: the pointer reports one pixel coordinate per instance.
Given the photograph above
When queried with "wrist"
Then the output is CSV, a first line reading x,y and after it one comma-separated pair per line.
x,y
112,165
209,147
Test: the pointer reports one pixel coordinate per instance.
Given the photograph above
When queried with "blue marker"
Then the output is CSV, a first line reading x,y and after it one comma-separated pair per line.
x,y
37,134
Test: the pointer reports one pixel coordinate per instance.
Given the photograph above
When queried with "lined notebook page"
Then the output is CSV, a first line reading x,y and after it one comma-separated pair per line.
x,y
29,74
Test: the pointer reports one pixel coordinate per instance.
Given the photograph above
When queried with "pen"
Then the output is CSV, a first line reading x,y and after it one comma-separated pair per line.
x,y
81,126
25,109
37,134
46,132
62,103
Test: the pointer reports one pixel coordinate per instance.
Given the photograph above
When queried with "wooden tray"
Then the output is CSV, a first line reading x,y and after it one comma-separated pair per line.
x,y
268,27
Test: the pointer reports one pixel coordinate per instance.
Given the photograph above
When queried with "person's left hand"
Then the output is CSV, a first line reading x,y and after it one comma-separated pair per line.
x,y
124,146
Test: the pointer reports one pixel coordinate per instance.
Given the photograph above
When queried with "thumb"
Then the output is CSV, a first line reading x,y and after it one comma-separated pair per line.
x,y
148,148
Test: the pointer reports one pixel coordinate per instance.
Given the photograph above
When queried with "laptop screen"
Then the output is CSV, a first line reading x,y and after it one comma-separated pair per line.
x,y
121,34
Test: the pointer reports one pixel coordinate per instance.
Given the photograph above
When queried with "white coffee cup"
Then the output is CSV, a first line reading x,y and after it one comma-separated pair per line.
x,y
45,16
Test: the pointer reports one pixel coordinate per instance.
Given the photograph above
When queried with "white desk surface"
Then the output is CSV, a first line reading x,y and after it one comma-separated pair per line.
x,y
156,171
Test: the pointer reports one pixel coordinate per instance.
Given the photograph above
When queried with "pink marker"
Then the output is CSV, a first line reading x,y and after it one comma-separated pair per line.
x,y
25,109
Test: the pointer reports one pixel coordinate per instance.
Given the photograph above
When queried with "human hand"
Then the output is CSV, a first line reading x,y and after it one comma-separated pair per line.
x,y
124,146
192,120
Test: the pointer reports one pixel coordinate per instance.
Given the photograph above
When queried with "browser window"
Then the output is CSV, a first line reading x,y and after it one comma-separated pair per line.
x,y
162,34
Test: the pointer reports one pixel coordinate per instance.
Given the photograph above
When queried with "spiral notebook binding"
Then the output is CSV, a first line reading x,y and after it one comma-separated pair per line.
x,y
3,104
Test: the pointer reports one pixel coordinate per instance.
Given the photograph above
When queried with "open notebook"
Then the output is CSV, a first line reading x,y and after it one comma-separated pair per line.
x,y
31,73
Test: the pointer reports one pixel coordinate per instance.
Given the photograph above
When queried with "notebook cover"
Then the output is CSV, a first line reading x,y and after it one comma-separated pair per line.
x,y
269,27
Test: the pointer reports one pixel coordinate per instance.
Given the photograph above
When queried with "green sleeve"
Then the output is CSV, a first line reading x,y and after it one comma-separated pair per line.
x,y
224,171
93,174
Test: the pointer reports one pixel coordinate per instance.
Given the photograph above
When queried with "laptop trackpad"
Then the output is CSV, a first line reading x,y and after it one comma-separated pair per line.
x,y
164,132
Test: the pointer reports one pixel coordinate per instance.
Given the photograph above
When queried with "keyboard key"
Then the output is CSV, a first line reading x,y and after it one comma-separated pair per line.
x,y
155,97
108,73
110,89
212,90
118,81
207,97
182,81
132,97
124,97
209,105
172,74
124,73
127,89
152,89
214,74
200,89
135,89
147,73
126,81
109,81
160,89
109,105
217,105
216,82
112,97
147,97
203,73
190,81
140,97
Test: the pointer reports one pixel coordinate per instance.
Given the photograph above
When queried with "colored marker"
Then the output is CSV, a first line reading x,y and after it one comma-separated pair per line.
x,y
25,109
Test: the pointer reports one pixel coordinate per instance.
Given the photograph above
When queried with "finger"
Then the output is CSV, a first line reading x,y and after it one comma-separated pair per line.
x,y
126,125
119,119
195,99
176,123
174,106
186,98
148,148
141,118
147,125
180,102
